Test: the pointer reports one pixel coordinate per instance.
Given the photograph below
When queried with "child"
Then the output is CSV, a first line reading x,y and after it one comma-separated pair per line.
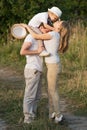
x,y
47,18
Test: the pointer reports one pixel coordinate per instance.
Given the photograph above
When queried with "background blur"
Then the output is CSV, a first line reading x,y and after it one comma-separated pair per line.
x,y
19,11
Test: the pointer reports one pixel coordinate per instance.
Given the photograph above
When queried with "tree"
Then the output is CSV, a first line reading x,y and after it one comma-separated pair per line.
x,y
16,11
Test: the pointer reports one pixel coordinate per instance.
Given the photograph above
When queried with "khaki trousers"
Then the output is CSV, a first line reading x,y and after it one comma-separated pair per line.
x,y
52,77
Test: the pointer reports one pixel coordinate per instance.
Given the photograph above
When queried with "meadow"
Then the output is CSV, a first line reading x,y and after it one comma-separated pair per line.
x,y
72,82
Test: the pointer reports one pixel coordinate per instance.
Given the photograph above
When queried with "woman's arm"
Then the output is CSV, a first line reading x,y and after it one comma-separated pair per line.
x,y
48,27
45,36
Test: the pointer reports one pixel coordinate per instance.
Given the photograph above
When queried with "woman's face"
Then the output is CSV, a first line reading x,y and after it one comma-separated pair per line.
x,y
58,25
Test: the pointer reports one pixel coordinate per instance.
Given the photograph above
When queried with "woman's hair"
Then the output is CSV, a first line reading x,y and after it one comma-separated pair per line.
x,y
64,37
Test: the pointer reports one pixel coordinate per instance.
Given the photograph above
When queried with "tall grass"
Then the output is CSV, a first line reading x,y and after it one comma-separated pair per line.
x,y
72,82
74,64
10,55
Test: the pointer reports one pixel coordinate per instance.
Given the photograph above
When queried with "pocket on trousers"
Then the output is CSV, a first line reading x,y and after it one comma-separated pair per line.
x,y
28,73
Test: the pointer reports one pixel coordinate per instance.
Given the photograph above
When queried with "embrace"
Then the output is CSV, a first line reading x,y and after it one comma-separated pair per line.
x,y
48,36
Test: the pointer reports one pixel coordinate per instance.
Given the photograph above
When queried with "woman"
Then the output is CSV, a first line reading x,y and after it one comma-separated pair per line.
x,y
54,41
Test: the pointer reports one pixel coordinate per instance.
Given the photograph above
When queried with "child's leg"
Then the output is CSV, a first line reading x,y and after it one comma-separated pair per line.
x,y
40,42
37,30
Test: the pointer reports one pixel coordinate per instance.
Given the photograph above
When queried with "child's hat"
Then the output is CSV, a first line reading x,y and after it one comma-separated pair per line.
x,y
56,11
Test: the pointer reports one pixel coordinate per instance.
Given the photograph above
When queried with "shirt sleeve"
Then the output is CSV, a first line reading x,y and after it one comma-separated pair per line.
x,y
28,39
44,18
51,33
54,34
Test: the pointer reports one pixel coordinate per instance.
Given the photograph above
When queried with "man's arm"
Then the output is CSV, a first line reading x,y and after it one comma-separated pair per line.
x,y
25,49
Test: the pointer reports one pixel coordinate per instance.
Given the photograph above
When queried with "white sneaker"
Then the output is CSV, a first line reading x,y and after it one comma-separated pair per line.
x,y
53,115
28,120
33,116
44,53
58,119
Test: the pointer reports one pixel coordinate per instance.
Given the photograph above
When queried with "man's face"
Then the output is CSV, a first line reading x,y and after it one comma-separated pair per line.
x,y
53,17
43,29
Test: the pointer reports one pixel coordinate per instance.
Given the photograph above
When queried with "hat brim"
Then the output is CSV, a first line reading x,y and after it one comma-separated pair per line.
x,y
18,31
52,12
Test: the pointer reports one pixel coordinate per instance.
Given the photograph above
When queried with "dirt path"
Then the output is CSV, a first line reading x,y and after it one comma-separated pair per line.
x,y
9,77
3,125
74,122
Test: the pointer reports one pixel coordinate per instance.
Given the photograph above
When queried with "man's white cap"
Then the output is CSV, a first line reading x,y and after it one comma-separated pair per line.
x,y
56,11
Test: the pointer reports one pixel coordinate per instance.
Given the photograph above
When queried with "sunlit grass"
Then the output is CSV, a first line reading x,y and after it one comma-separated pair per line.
x,y
72,83
74,68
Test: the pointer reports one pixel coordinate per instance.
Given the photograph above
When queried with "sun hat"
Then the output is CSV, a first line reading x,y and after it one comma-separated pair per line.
x,y
56,11
18,31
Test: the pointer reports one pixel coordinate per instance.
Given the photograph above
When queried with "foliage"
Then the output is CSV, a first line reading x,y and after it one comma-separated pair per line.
x,y
72,83
16,11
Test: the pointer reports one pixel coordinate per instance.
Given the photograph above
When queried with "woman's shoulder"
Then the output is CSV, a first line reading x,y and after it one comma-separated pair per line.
x,y
53,33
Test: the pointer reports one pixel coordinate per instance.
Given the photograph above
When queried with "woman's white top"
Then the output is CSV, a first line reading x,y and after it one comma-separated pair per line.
x,y
52,47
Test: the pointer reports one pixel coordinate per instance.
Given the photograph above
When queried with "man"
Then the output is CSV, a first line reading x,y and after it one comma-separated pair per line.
x,y
32,73
53,65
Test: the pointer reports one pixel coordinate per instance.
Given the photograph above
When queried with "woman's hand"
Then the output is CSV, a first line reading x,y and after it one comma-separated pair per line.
x,y
27,27
24,25
40,48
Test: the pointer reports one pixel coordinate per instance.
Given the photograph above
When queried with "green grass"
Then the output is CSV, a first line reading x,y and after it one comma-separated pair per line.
x,y
12,91
74,70
11,111
10,55
72,83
